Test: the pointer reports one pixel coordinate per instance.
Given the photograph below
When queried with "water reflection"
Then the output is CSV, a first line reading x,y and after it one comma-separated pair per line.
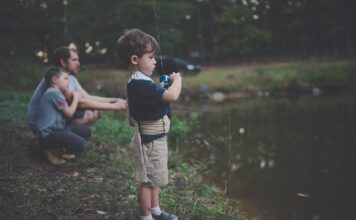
x,y
283,158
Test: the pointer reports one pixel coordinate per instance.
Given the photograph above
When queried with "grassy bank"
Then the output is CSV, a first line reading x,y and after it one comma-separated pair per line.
x,y
250,79
98,184
277,76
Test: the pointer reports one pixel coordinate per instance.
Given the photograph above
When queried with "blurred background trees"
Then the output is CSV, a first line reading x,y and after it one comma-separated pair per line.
x,y
207,31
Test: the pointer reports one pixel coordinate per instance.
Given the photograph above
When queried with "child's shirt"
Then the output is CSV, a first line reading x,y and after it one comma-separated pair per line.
x,y
50,117
145,98
33,107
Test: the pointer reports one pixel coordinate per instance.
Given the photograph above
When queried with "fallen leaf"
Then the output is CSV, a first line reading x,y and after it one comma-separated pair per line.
x,y
75,174
100,212
303,195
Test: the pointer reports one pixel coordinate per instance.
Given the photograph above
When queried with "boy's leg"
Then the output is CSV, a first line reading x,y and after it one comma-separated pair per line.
x,y
90,116
159,158
155,209
154,197
66,139
81,130
144,199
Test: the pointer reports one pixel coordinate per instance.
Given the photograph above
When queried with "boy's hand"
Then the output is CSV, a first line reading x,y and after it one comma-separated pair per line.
x,y
68,94
76,95
174,75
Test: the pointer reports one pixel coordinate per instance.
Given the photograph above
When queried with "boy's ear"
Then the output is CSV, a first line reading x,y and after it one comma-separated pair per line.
x,y
134,59
54,79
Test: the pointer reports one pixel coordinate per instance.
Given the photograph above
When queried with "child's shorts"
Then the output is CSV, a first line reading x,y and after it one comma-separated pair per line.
x,y
150,161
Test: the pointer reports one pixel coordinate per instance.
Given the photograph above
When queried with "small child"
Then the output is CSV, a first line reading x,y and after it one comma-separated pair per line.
x,y
51,129
148,107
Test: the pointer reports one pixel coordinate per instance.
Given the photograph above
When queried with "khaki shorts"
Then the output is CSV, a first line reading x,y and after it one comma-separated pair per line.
x,y
150,160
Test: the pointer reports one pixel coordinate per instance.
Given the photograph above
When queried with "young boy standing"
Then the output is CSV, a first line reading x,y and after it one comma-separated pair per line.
x,y
50,126
147,103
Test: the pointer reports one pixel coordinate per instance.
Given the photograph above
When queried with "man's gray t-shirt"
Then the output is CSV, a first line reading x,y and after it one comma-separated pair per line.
x,y
50,117
32,111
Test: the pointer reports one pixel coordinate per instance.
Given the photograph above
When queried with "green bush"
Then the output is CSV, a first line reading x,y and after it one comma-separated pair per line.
x,y
112,129
21,74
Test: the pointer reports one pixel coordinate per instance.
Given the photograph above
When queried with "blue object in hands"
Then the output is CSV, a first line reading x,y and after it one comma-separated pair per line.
x,y
164,80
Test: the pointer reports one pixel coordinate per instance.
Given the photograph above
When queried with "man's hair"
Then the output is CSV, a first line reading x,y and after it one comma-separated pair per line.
x,y
51,72
135,42
62,53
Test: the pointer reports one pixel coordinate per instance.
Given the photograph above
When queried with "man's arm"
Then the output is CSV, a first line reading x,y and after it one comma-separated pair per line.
x,y
88,103
96,98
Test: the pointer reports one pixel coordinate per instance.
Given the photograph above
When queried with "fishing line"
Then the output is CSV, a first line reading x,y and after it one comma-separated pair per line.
x,y
157,30
161,60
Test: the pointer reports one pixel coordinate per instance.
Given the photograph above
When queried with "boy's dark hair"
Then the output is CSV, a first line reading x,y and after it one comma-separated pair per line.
x,y
62,53
51,72
135,42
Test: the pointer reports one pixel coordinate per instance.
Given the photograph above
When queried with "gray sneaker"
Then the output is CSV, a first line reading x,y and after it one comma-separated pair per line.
x,y
164,216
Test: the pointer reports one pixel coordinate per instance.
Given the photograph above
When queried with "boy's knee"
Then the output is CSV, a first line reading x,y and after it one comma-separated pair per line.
x,y
85,132
91,116
79,147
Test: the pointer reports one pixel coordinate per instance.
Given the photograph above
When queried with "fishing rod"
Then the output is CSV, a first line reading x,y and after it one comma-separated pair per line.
x,y
157,30
164,79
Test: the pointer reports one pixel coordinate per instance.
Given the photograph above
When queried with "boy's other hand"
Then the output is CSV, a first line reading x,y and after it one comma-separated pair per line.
x,y
174,75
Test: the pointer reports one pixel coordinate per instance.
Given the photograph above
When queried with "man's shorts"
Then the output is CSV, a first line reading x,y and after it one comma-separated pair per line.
x,y
150,161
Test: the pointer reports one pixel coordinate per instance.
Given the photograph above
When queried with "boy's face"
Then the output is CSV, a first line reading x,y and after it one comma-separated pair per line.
x,y
72,64
146,63
62,81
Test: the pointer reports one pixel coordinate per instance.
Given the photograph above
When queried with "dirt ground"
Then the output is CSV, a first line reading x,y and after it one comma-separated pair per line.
x,y
97,185
93,187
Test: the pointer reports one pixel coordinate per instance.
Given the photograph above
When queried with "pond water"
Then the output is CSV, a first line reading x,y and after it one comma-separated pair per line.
x,y
283,158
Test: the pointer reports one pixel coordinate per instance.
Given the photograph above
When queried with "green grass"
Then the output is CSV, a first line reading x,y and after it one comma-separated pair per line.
x,y
278,76
98,185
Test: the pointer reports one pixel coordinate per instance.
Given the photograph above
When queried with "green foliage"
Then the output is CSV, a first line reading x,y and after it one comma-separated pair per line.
x,y
218,30
237,31
13,107
110,129
112,17
20,73
179,128
182,125
336,75
193,200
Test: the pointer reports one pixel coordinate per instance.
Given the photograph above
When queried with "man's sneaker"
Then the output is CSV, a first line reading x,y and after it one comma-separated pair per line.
x,y
164,216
